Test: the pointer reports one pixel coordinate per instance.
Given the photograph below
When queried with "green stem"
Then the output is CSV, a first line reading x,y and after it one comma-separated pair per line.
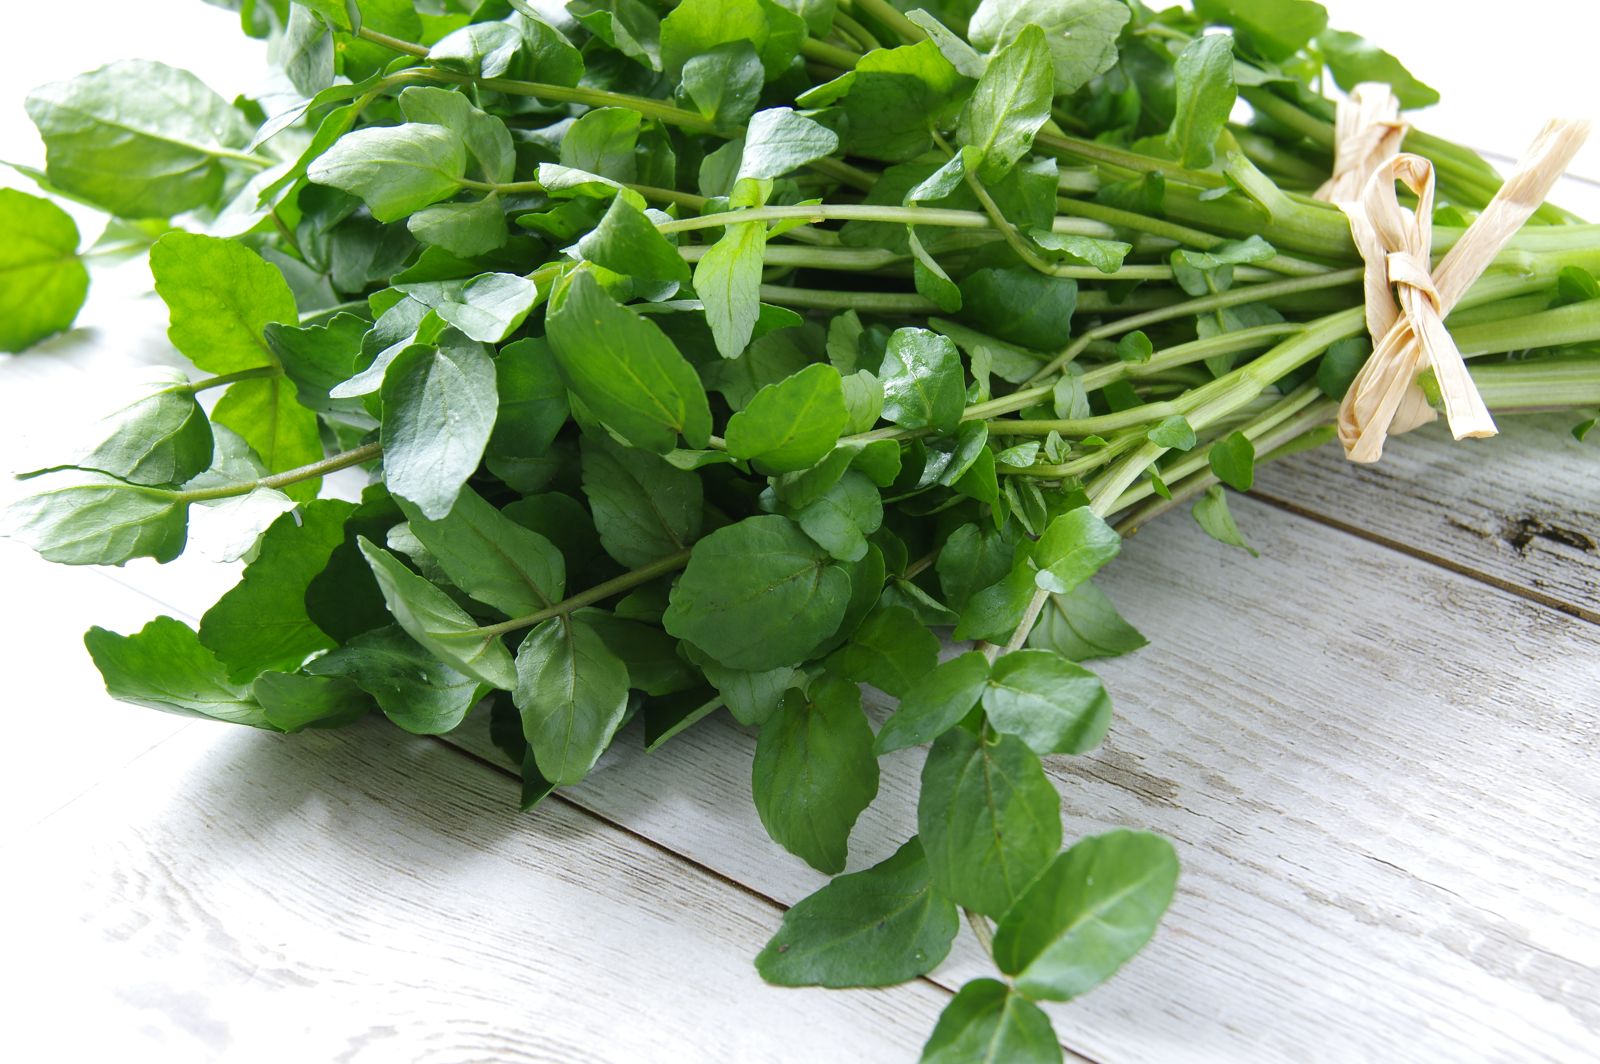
x,y
1123,159
599,593
830,299
980,926
237,375
364,453
1180,234
832,55
891,18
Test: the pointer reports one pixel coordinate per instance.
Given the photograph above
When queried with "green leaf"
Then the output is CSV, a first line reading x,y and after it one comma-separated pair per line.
x,y
1083,625
413,688
490,153
814,772
262,622
1174,432
1073,548
935,702
161,436
751,697
267,415
1009,105
988,1021
626,371
164,667
1233,460
533,399
1104,255
667,718
573,693
644,507
432,619
1337,370
1049,703
650,655
793,424
891,650
697,26
318,358
779,140
842,519
394,170
1354,59
1136,348
1087,914
439,406
42,281
724,84
1205,97
728,280
1082,34
293,701
491,557
482,49
627,242
80,517
629,26
463,229
1275,28
488,308
876,927
1020,305
221,295
922,381
891,99
1211,513
137,139
989,818
757,595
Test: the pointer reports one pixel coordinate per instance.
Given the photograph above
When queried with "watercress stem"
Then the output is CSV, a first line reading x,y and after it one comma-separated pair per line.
x,y
599,593
364,453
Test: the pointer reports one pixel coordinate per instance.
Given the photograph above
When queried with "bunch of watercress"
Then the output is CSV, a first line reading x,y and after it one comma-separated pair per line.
x,y
712,357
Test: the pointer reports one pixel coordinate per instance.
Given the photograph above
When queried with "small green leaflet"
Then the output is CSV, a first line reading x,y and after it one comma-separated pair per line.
x,y
644,507
814,772
160,435
876,927
80,517
890,98
491,557
697,26
922,381
572,691
1211,513
1233,460
1087,914
989,818
988,1021
842,519
780,140
935,702
1083,625
628,242
413,688
1354,59
626,371
1205,97
220,295
1051,704
163,666
439,406
1009,105
43,282
1082,34
395,170
1073,548
891,651
793,424
725,83
1274,28
1174,432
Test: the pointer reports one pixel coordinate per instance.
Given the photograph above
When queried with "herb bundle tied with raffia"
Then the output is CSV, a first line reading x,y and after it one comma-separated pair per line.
x,y
711,358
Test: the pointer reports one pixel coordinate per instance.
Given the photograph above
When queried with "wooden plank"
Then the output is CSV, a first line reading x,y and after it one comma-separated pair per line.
x,y
367,896
1519,509
1382,821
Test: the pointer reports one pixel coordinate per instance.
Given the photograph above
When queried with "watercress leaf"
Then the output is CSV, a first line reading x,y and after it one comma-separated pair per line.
x,y
261,623
81,517
629,26
1354,59
1339,366
1233,460
267,415
1020,305
961,55
876,927
318,358
463,229
650,655
533,399
751,697
163,666
697,26
293,701
626,371
779,140
485,137
1205,97
993,612
891,99
137,139
1104,255
439,407
433,620
414,689
1174,432
491,557
395,170
758,595
814,772
724,84
1228,253
307,52
43,282
158,436
1081,34
728,280
602,142
1010,103
1276,29
989,818
935,702
644,507
891,650
627,242
1073,548
1049,703
488,308
573,693
1211,513
844,516
1136,348
667,718
1083,625
987,1021
1087,914
922,381
793,424
482,49
220,295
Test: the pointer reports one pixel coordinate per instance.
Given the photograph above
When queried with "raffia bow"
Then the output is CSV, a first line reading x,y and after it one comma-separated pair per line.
x,y
1406,302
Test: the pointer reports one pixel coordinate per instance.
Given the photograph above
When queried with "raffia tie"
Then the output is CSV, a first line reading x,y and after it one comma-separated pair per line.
x,y
1406,302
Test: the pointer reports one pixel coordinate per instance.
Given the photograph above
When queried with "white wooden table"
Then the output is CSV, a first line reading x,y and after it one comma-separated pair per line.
x,y
1375,748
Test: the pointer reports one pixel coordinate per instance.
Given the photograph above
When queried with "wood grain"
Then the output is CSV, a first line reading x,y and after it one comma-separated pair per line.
x,y
365,896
